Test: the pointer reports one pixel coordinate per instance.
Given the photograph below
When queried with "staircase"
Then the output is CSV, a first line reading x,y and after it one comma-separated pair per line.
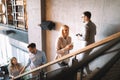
x,y
109,71
113,73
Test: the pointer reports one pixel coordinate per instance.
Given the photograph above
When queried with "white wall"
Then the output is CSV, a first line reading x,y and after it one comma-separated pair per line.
x,y
105,14
34,19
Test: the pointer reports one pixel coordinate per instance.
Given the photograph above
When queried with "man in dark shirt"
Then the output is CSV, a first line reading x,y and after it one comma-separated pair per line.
x,y
89,34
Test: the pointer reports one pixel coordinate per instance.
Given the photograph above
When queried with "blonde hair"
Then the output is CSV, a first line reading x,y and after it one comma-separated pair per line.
x,y
12,66
61,29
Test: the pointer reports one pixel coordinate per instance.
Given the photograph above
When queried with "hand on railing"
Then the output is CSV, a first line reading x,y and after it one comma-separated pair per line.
x,y
22,70
11,77
91,46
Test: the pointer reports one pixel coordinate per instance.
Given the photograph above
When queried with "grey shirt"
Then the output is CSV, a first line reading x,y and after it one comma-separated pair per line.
x,y
90,32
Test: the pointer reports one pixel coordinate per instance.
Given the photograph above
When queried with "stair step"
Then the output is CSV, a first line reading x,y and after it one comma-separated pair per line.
x,y
113,73
89,76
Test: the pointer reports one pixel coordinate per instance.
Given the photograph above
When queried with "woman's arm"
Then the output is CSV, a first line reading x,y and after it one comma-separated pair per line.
x,y
61,50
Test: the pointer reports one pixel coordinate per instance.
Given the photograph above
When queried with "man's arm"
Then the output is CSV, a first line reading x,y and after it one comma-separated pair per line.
x,y
86,34
44,59
28,64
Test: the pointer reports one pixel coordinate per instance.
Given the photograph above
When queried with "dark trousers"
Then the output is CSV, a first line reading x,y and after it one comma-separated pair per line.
x,y
85,55
62,64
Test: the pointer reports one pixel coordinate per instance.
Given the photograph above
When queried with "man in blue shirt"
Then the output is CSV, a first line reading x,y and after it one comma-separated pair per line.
x,y
36,58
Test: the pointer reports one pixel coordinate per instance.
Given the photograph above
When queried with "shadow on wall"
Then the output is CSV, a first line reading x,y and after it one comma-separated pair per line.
x,y
111,29
58,25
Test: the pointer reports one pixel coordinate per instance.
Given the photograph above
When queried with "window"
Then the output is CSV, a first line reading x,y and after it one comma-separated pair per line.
x,y
10,47
13,13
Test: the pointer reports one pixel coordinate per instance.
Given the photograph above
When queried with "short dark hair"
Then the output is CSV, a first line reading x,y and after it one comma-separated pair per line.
x,y
32,45
87,13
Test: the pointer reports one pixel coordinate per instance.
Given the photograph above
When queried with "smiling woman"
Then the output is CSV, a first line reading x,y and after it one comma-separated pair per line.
x,y
63,45
14,68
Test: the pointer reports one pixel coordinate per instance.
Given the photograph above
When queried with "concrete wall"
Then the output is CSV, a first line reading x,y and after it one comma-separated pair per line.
x,y
105,14
34,19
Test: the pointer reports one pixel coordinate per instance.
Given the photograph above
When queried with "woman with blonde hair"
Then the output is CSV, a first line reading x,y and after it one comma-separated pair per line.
x,y
14,68
63,44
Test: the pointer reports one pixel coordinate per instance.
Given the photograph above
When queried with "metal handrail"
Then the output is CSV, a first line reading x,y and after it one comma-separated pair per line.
x,y
91,46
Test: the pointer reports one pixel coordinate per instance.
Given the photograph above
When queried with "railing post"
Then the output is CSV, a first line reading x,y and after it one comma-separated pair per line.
x,y
81,75
75,61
